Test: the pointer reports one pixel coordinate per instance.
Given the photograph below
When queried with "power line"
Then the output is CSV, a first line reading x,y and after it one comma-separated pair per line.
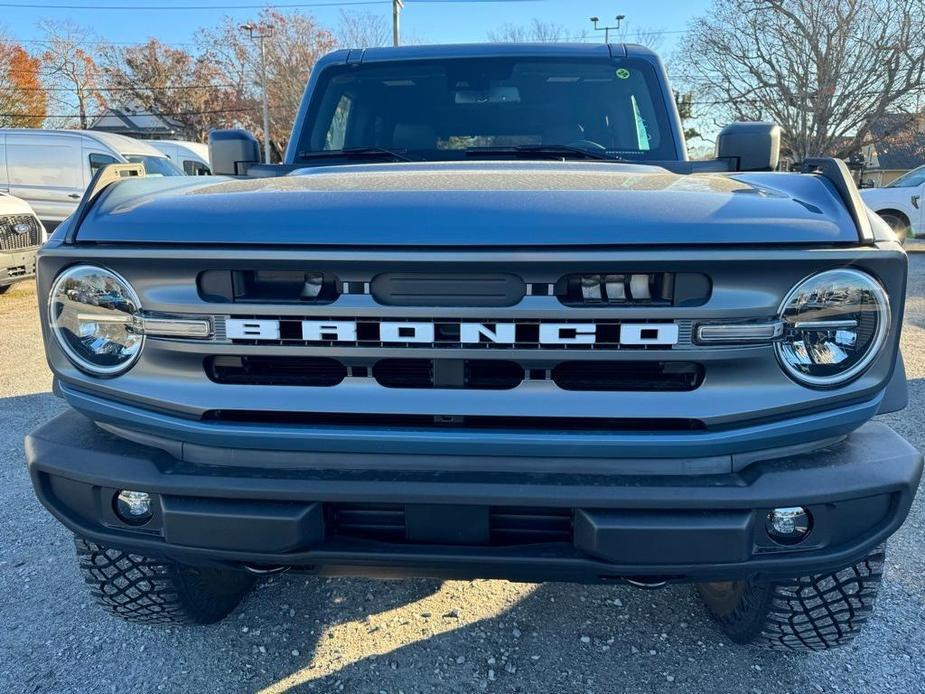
x,y
91,116
31,6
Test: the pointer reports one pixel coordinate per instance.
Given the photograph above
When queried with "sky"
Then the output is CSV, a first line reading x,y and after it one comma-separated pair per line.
x,y
436,21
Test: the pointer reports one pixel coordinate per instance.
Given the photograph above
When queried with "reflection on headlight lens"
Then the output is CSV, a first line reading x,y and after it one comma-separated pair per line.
x,y
92,313
835,324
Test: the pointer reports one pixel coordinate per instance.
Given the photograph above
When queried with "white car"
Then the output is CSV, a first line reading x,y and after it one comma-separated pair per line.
x,y
901,203
192,157
21,234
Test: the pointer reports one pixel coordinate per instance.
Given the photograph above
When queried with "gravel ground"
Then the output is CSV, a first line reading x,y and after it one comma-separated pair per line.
x,y
298,633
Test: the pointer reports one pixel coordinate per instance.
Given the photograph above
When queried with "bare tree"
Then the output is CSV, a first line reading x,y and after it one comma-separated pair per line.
x,y
825,70
296,43
72,75
537,31
363,30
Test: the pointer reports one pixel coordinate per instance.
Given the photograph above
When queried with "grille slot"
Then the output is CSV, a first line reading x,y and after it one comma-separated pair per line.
x,y
10,240
508,525
268,286
627,288
474,374
381,522
275,371
404,373
627,376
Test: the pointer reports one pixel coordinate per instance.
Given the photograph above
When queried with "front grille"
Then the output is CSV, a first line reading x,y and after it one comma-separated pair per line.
x,y
475,422
13,241
507,525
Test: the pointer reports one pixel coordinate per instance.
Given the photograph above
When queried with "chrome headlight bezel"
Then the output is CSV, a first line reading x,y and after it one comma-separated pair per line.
x,y
875,347
82,362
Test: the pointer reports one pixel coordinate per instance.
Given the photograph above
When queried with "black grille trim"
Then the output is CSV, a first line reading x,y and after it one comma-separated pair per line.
x,y
474,422
447,289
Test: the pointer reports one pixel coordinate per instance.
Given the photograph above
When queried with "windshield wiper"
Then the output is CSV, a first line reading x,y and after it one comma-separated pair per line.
x,y
356,153
559,151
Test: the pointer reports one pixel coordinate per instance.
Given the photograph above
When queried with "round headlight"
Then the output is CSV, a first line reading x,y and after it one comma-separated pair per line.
x,y
835,324
92,312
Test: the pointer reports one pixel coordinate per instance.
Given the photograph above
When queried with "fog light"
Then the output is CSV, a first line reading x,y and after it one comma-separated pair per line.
x,y
133,507
790,525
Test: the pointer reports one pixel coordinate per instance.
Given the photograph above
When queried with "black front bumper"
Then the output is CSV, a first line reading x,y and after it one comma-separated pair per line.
x,y
519,525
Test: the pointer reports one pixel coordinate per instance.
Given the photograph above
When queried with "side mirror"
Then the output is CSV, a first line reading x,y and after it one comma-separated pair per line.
x,y
232,151
754,146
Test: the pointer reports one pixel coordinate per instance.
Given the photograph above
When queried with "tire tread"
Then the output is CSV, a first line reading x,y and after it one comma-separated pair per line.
x,y
146,590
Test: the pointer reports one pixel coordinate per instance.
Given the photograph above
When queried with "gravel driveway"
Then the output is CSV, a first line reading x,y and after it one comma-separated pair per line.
x,y
299,633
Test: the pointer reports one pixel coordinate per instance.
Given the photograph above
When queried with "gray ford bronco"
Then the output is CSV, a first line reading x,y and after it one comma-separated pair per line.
x,y
485,320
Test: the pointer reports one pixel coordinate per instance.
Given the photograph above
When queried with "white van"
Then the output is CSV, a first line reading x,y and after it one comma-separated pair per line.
x,y
192,157
50,169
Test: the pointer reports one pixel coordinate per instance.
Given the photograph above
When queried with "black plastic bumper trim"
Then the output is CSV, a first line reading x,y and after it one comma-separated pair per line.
x,y
874,467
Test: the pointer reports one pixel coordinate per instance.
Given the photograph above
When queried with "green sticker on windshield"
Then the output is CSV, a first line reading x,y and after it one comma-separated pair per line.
x,y
623,73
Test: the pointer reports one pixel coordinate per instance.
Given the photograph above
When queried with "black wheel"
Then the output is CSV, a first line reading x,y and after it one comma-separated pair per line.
x,y
812,613
145,590
5,288
899,225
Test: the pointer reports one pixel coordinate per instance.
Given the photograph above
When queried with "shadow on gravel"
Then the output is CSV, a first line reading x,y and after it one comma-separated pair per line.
x,y
544,638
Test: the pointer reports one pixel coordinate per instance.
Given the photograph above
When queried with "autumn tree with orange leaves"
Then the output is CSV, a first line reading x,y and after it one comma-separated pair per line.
x,y
23,100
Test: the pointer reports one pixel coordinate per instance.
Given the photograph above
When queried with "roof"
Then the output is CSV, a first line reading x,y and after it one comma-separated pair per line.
x,y
899,141
140,122
114,141
497,50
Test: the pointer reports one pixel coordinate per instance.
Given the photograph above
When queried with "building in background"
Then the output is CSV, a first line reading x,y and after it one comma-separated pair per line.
x,y
897,145
140,124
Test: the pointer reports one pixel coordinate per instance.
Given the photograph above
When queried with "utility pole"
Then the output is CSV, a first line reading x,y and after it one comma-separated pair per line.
x,y
397,7
259,34
606,30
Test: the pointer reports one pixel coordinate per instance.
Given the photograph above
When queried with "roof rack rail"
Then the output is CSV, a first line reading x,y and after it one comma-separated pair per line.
x,y
838,175
102,179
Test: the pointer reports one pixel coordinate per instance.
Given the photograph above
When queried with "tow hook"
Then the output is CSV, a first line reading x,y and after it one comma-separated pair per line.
x,y
266,570
646,583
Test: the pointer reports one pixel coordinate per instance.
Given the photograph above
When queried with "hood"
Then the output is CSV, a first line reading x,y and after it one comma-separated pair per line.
x,y
12,205
474,204
875,195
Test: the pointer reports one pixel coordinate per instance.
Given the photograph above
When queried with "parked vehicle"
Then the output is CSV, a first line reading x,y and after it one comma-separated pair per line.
x,y
191,157
486,320
900,203
21,234
50,169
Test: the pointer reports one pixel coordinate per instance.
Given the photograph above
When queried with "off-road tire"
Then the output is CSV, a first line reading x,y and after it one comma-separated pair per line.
x,y
146,590
811,613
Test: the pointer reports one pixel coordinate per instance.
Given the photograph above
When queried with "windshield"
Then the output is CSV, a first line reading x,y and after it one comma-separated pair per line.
x,y
154,166
450,109
910,179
